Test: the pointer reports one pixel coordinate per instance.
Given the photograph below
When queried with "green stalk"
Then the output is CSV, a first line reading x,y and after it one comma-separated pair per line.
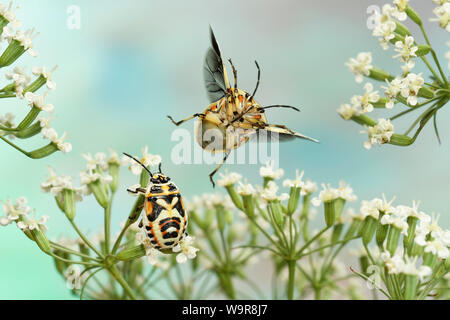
x,y
83,237
291,283
427,63
433,53
116,274
108,223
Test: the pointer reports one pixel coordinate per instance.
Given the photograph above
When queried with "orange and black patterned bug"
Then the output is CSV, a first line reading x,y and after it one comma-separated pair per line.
x,y
233,115
165,219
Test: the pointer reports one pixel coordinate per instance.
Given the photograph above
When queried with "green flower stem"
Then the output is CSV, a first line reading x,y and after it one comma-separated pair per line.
x,y
85,282
2,128
35,154
132,217
417,106
427,116
108,223
372,282
62,248
420,118
276,227
369,254
214,246
433,53
7,95
310,241
304,217
119,238
225,247
326,246
83,237
436,278
116,274
427,63
72,261
281,250
14,146
291,283
29,118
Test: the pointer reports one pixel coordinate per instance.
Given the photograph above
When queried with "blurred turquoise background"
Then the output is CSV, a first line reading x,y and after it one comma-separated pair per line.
x,y
134,62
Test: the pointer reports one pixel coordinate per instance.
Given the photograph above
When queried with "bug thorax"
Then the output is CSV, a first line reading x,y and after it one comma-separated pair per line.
x,y
159,178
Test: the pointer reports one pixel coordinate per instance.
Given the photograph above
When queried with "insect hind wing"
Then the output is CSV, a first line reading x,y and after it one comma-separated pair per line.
x,y
284,134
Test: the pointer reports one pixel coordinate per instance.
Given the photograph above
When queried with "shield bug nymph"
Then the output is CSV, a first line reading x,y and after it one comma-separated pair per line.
x,y
233,115
165,218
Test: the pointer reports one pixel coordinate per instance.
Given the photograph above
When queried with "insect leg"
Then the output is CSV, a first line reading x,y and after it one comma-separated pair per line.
x,y
201,115
137,191
281,106
227,153
257,83
234,73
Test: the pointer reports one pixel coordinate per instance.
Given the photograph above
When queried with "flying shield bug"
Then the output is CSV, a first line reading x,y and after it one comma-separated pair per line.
x,y
233,115
165,218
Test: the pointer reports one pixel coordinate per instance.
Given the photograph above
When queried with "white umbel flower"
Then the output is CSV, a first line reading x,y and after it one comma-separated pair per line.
x,y
401,4
385,32
438,248
87,177
347,111
410,268
33,223
365,101
8,12
185,250
52,135
24,38
229,179
13,211
245,189
268,171
380,133
443,16
147,159
392,90
411,86
370,208
41,71
99,159
269,193
406,49
297,182
346,192
326,195
21,80
38,101
360,66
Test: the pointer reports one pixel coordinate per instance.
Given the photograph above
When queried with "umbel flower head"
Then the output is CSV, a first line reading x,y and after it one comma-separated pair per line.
x,y
411,89
380,133
23,85
147,159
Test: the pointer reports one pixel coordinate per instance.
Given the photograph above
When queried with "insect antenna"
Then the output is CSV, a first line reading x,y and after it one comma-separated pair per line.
x,y
281,106
257,83
160,168
234,73
143,166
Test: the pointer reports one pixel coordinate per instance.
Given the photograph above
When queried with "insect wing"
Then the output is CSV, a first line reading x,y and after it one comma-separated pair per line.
x,y
285,134
214,73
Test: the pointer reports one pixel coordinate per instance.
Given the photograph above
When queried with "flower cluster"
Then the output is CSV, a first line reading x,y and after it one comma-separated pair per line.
x,y
22,86
409,88
422,253
442,13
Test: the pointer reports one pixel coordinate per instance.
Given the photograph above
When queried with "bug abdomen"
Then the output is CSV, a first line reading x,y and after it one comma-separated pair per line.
x,y
165,222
